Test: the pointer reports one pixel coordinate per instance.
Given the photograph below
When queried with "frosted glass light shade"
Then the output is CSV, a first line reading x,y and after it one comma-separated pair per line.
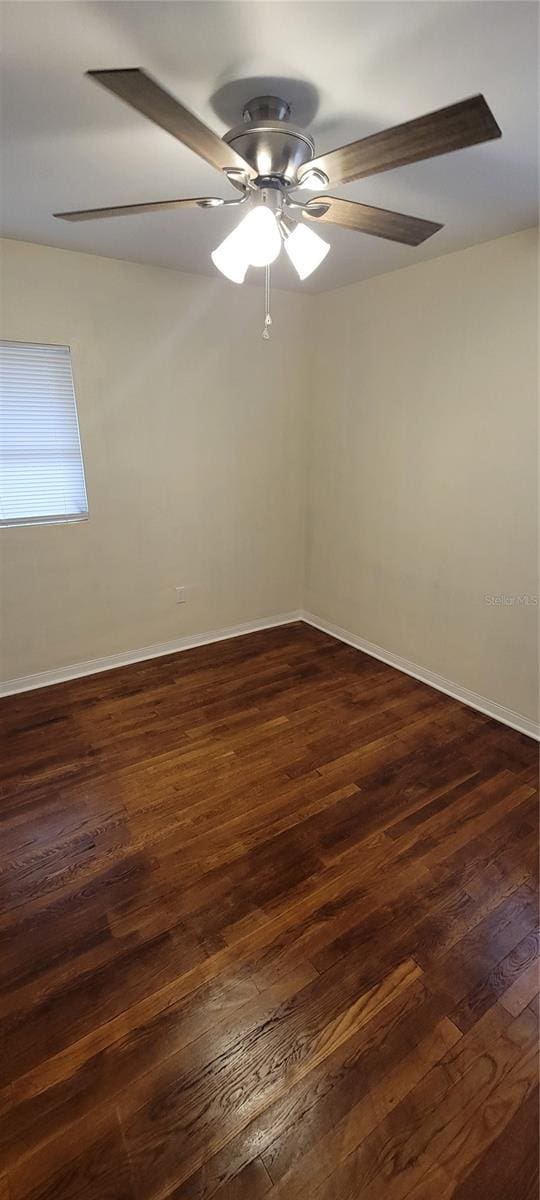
x,y
306,250
230,257
255,242
261,238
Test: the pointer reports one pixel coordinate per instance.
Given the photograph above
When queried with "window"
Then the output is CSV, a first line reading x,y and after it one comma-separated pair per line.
x,y
41,467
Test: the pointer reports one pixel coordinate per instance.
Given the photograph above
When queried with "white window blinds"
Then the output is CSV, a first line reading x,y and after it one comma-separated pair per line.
x,y
41,467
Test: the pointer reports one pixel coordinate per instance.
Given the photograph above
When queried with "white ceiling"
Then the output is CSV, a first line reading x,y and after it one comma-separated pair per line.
x,y
359,67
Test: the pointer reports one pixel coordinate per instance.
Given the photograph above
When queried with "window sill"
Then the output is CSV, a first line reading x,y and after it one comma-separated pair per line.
x,y
25,522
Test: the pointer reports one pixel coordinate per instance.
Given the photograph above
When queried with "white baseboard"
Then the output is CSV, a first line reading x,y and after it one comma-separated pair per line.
x,y
27,683
490,708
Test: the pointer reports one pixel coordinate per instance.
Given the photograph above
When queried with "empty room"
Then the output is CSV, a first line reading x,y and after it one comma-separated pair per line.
x,y
269,600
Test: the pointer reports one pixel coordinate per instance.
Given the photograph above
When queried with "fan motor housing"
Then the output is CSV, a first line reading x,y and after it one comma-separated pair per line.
x,y
268,142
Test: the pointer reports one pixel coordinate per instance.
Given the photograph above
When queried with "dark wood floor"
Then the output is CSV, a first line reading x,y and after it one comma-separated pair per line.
x,y
268,929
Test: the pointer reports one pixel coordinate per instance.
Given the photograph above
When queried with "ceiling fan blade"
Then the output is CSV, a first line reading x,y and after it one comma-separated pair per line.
x,y
396,227
143,93
127,210
463,124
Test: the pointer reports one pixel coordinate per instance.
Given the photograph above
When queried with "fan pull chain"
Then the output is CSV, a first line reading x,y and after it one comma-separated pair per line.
x,y
267,319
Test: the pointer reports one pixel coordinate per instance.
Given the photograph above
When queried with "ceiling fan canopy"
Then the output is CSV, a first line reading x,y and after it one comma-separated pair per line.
x,y
267,159
269,143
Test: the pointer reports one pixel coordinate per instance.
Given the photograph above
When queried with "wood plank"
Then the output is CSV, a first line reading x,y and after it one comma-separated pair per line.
x,y
99,1171
499,981
441,1122
268,926
317,1101
253,1181
42,1107
292,1169
510,1170
523,990
244,1082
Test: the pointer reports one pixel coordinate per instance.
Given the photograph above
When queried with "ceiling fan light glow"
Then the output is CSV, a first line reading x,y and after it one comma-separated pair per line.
x,y
255,242
260,236
306,250
230,258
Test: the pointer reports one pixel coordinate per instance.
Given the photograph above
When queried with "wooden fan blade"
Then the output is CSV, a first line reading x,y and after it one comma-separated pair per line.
x,y
143,93
380,222
127,210
453,128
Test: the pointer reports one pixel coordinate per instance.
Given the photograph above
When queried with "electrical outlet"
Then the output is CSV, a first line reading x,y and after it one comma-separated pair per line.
x,y
181,595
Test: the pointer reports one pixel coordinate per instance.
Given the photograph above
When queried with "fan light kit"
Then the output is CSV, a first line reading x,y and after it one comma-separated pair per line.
x,y
267,159
256,242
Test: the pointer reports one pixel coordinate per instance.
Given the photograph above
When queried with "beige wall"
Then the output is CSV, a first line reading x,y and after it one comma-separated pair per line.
x,y
413,396
423,465
193,435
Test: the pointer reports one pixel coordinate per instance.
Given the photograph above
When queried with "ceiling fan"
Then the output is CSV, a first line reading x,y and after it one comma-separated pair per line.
x,y
267,159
